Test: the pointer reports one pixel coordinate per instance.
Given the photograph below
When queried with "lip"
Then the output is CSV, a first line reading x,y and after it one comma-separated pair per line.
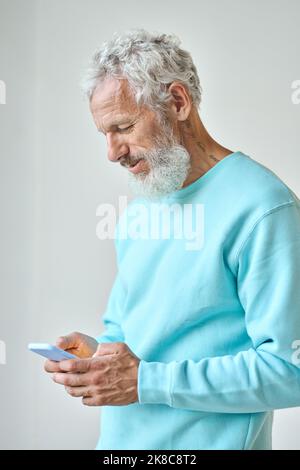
x,y
137,167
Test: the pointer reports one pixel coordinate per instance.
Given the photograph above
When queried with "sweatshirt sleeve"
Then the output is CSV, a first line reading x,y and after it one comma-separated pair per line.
x,y
267,375
112,316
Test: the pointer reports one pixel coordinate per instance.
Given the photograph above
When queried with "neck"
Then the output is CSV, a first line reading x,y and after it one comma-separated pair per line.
x,y
205,152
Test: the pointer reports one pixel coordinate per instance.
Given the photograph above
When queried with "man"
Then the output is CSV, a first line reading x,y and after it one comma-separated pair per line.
x,y
200,345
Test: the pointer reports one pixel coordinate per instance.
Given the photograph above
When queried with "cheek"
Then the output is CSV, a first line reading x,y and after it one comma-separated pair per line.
x,y
145,138
140,142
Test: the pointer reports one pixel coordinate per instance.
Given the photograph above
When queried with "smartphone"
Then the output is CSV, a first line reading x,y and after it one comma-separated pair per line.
x,y
50,352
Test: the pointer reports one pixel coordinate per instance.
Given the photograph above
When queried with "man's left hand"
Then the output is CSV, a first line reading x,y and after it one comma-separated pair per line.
x,y
108,378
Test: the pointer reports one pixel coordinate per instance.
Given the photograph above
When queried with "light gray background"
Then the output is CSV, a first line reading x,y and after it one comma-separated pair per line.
x,y
55,275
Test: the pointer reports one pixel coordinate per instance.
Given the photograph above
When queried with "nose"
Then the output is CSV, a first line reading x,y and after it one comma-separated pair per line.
x,y
115,148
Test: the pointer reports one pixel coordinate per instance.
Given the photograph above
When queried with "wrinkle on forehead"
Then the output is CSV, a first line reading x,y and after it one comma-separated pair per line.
x,y
113,95
113,104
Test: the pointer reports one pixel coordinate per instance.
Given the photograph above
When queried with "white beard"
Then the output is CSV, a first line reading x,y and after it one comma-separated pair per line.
x,y
168,169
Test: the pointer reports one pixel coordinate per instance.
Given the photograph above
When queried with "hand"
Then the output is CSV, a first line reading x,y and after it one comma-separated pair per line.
x,y
81,345
108,378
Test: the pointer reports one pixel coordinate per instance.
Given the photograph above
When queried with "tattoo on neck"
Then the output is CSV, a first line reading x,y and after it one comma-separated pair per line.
x,y
201,146
213,158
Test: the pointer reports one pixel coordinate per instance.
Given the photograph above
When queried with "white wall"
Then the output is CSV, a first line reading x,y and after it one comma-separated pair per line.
x,y
17,193
56,274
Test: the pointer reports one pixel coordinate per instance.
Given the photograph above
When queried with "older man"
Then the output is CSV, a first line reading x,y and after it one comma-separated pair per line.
x,y
200,345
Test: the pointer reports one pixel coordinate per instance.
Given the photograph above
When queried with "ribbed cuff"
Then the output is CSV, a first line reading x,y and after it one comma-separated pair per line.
x,y
154,382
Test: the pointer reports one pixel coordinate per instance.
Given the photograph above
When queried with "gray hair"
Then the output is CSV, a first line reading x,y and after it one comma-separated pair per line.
x,y
150,62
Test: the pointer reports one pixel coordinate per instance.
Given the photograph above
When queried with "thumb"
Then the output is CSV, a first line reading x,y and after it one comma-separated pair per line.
x,y
66,342
105,349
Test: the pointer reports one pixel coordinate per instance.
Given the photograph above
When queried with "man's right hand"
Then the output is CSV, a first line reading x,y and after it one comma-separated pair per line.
x,y
81,345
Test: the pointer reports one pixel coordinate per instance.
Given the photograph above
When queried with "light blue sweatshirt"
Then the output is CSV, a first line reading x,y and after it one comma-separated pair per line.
x,y
217,328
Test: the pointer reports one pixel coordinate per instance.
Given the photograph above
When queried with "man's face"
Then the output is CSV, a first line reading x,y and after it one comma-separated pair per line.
x,y
135,138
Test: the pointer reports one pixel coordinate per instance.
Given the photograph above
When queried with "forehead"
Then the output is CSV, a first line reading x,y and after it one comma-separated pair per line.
x,y
112,96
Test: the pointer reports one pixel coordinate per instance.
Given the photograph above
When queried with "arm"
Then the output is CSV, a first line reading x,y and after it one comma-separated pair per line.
x,y
113,313
263,377
112,316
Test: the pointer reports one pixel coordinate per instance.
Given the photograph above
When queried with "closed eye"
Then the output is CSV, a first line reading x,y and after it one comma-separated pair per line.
x,y
126,128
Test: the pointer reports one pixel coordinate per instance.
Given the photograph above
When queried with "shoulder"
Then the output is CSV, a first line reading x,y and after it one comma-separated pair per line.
x,y
256,200
260,187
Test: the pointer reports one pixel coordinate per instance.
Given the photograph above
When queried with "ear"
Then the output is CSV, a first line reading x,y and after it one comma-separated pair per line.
x,y
181,103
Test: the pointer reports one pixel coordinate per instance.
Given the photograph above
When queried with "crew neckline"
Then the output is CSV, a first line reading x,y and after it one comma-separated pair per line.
x,y
182,192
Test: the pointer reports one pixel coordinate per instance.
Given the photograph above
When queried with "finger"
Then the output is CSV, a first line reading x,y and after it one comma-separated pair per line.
x,y
71,380
51,366
78,391
75,365
91,401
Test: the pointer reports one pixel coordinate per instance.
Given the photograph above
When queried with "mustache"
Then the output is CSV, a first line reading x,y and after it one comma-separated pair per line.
x,y
154,155
130,161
